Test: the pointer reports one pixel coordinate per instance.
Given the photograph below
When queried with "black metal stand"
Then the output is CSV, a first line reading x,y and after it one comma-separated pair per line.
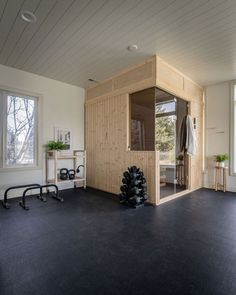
x,y
5,203
41,196
55,195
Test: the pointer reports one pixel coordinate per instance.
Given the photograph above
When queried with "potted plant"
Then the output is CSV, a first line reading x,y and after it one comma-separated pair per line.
x,y
220,159
55,145
180,159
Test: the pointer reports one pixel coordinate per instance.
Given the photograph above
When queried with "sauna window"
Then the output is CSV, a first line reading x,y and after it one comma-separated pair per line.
x,y
142,120
165,107
165,131
137,136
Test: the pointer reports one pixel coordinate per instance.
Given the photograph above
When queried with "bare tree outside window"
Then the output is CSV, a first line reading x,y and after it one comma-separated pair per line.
x,y
20,131
165,132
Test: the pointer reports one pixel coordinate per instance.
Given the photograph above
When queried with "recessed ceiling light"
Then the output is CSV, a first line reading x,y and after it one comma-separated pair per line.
x,y
132,47
28,16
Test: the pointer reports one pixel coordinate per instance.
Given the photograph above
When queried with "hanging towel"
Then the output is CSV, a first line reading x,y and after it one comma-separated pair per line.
x,y
190,145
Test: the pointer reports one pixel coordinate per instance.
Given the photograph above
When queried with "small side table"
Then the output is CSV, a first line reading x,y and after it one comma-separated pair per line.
x,y
221,178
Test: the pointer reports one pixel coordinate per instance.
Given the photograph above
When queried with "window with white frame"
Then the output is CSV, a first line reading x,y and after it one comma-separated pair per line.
x,y
233,129
19,132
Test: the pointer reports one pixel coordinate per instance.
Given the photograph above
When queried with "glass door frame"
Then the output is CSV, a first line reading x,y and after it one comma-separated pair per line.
x,y
187,166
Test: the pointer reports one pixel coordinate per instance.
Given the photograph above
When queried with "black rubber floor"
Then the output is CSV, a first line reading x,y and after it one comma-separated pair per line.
x,y
93,245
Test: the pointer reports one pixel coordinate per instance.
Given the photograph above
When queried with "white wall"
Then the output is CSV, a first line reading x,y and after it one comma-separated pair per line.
x,y
217,130
62,106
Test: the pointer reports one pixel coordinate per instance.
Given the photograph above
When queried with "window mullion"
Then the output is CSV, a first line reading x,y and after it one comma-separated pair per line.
x,y
233,130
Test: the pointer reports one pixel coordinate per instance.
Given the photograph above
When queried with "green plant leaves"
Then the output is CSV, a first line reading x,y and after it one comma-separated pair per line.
x,y
55,145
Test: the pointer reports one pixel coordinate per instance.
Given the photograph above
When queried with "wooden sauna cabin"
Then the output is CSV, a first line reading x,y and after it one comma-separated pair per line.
x,y
109,143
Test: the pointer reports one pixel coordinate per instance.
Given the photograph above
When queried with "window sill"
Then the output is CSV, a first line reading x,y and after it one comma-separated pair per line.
x,y
21,168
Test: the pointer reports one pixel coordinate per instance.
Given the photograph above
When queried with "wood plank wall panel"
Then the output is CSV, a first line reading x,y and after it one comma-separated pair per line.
x,y
173,81
136,75
117,140
106,145
99,90
192,91
168,78
196,162
137,78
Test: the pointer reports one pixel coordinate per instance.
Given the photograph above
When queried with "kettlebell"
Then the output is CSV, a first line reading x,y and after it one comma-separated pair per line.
x,y
71,174
63,173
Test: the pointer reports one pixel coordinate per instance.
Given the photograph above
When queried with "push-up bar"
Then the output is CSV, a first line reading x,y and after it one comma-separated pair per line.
x,y
29,187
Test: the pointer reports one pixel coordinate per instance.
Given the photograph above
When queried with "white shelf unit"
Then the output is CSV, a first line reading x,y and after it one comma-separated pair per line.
x,y
76,157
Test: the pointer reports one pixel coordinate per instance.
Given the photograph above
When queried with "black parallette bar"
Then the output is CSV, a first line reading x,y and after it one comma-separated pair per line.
x,y
5,203
23,203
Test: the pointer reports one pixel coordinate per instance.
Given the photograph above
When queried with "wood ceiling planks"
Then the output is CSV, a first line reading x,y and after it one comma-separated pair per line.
x,y
75,40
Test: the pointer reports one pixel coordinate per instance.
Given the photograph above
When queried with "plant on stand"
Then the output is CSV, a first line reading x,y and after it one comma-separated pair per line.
x,y
220,159
55,146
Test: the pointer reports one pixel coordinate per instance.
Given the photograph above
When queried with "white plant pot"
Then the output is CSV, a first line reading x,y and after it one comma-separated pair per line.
x,y
220,164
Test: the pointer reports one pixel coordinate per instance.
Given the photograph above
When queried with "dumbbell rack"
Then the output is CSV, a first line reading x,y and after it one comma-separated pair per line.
x,y
56,156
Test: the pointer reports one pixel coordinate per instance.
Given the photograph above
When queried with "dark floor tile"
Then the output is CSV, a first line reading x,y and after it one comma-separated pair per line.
x,y
90,244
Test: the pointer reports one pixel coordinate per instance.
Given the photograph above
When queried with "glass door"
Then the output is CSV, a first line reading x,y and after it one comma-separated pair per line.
x,y
170,114
156,121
